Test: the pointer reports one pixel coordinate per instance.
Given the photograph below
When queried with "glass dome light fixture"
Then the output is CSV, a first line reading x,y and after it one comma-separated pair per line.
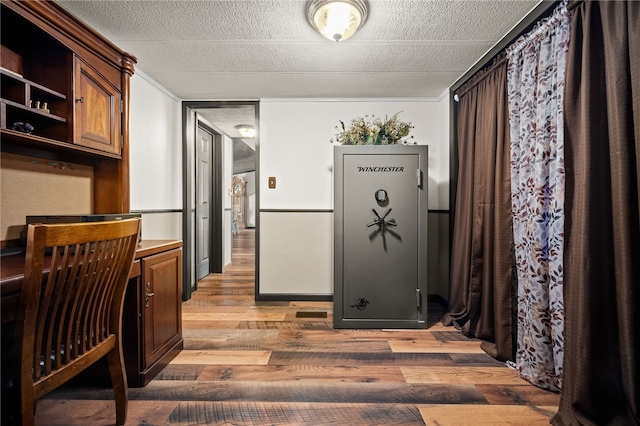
x,y
247,131
337,20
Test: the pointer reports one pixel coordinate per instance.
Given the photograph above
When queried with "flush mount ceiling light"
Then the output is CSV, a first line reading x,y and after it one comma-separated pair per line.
x,y
246,131
337,19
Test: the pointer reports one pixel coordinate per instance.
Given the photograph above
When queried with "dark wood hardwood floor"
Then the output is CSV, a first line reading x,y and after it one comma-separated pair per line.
x,y
282,363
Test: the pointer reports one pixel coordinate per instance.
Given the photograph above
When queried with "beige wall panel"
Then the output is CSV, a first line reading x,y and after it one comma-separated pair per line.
x,y
162,226
34,186
296,253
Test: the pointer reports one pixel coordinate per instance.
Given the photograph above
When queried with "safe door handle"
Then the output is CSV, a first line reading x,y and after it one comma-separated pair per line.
x,y
381,222
148,294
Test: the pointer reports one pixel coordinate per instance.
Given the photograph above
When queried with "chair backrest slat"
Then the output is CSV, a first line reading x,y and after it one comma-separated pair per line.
x,y
84,305
61,302
67,312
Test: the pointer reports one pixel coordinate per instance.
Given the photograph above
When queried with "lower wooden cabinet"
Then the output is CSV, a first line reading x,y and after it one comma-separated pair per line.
x,y
152,317
151,321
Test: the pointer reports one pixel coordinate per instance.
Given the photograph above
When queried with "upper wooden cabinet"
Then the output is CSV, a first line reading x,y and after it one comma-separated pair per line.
x,y
97,110
65,95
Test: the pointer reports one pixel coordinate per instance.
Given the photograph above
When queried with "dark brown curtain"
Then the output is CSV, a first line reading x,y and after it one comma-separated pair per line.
x,y
602,225
480,297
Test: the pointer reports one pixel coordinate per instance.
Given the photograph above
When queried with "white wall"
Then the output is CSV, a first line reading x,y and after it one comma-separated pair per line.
x,y
296,234
295,148
155,158
441,156
439,232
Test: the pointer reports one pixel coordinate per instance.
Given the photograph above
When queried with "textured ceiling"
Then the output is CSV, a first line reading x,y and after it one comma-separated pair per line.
x,y
253,49
241,50
225,119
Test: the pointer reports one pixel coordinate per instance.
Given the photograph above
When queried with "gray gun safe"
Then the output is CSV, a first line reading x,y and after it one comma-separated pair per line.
x,y
380,236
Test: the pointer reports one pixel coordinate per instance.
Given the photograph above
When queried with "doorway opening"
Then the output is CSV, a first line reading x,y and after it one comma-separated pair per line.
x,y
213,154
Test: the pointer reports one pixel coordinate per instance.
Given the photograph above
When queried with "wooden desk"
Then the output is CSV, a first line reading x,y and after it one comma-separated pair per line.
x,y
152,315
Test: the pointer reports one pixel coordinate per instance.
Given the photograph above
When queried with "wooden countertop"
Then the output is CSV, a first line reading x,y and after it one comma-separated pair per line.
x,y
12,269
149,247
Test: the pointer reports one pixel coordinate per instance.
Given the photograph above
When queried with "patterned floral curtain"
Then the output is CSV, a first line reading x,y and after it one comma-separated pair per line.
x,y
535,79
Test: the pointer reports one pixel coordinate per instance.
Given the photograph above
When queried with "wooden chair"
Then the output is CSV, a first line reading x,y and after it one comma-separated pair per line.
x,y
70,316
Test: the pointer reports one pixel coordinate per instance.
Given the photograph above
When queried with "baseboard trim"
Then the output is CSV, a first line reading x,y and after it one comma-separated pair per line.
x,y
283,297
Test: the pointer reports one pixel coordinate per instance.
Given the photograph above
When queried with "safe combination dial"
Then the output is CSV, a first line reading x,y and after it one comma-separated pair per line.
x,y
381,196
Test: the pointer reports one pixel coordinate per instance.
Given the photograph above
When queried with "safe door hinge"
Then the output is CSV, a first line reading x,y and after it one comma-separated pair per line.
x,y
121,106
418,298
419,177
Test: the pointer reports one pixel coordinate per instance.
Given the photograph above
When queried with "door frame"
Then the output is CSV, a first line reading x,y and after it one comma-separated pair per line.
x,y
189,137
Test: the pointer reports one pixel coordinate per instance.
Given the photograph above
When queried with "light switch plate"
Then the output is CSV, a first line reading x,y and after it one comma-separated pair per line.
x,y
272,182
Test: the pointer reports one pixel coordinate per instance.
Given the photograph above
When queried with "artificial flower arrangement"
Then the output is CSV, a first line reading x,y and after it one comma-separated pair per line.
x,y
372,130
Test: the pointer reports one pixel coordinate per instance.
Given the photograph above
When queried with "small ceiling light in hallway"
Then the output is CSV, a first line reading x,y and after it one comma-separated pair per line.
x,y
337,19
247,131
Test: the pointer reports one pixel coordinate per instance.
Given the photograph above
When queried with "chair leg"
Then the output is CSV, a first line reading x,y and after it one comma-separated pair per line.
x,y
27,403
28,412
119,382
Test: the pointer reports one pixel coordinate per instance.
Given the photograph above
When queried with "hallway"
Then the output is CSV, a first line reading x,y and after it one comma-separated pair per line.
x,y
257,363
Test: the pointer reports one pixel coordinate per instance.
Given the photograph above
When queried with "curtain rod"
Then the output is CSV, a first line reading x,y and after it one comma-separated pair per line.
x,y
573,4
541,10
500,58
479,76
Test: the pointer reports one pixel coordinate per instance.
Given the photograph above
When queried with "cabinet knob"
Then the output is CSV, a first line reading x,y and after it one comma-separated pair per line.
x,y
147,294
80,100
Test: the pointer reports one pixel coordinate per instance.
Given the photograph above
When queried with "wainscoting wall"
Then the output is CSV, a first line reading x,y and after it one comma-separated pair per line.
x,y
296,254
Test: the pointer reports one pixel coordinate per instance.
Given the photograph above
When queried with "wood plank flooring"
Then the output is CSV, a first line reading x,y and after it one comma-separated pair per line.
x,y
282,363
